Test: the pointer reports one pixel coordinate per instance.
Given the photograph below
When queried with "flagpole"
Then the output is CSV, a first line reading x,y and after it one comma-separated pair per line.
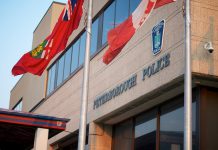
x,y
188,81
84,100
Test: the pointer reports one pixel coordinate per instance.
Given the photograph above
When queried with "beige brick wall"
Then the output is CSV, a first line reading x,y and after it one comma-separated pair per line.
x,y
31,89
136,55
204,28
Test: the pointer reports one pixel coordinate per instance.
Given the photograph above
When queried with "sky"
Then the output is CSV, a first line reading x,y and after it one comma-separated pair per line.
x,y
18,20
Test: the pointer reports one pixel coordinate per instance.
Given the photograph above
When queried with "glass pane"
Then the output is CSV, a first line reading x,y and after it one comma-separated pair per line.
x,y
145,131
108,22
19,106
82,49
49,82
52,81
67,63
75,56
94,38
122,11
172,126
60,70
133,5
123,136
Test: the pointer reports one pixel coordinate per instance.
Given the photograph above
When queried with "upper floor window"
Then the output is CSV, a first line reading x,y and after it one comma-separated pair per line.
x,y
116,12
133,5
67,62
75,56
122,11
18,106
108,21
94,38
82,49
60,71
51,79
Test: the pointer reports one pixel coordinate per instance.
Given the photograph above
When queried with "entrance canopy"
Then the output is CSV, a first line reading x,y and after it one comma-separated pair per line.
x,y
17,129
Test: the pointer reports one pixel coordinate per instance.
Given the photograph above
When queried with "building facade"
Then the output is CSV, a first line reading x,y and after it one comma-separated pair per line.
x,y
135,102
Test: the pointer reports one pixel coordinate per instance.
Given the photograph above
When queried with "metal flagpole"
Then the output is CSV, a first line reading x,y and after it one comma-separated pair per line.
x,y
84,100
188,81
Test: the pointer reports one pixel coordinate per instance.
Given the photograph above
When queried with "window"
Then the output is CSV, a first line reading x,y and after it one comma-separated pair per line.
x,y
19,105
49,82
160,128
145,131
51,79
94,38
108,21
82,49
60,71
116,12
133,5
67,63
75,56
122,11
172,126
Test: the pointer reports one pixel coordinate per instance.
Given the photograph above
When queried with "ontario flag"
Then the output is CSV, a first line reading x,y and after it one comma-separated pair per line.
x,y
119,36
36,60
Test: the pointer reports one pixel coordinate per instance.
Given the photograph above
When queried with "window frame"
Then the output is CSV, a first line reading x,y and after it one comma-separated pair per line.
x,y
69,62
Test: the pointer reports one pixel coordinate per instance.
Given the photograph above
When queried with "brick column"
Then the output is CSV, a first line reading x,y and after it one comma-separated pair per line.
x,y
100,136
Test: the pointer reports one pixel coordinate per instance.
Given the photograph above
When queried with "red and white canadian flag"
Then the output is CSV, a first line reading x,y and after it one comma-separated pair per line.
x,y
119,36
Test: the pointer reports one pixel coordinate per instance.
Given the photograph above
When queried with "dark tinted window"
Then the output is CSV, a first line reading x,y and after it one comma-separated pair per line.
x,y
145,131
75,56
108,21
67,63
172,126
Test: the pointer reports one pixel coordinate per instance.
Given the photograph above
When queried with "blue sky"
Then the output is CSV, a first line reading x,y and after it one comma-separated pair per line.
x,y
18,21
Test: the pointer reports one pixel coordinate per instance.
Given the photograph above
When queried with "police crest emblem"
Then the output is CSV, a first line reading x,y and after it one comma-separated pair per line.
x,y
157,37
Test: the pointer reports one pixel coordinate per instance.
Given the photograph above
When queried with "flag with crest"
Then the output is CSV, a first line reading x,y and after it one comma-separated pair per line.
x,y
119,36
37,60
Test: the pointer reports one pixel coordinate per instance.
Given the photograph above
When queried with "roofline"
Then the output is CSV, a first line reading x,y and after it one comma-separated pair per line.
x,y
54,2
